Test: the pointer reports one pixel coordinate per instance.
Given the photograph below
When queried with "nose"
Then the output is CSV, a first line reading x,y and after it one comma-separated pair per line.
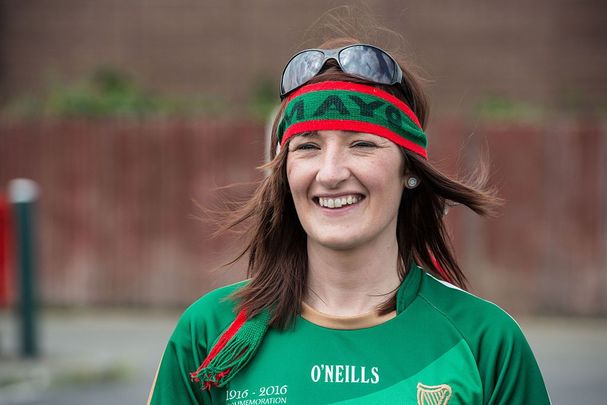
x,y
334,169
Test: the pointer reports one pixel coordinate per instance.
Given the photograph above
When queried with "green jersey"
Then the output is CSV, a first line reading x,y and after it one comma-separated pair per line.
x,y
445,346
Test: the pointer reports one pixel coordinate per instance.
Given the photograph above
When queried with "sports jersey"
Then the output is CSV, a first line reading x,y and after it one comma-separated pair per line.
x,y
443,346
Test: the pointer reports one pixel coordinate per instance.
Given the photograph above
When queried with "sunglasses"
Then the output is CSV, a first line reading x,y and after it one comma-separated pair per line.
x,y
365,61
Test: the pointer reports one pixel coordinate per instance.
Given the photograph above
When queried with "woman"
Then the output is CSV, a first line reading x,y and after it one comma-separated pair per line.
x,y
353,294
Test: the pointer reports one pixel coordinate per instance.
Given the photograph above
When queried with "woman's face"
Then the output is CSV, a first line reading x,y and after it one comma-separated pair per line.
x,y
346,187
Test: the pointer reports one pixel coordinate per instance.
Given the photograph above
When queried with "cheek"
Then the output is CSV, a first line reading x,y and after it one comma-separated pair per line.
x,y
388,179
290,178
388,169
296,178
400,172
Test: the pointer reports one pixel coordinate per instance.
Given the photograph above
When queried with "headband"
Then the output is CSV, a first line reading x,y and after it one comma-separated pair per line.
x,y
347,106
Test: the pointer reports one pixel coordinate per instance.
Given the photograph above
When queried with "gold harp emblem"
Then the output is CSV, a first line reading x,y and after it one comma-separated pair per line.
x,y
433,394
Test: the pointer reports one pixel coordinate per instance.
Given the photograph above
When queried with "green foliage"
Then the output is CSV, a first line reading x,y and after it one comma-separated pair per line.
x,y
109,93
264,98
502,108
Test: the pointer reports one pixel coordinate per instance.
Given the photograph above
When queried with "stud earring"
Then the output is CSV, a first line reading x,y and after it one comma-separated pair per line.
x,y
412,182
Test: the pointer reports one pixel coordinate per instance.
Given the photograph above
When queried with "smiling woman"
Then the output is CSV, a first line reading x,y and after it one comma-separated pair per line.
x,y
354,295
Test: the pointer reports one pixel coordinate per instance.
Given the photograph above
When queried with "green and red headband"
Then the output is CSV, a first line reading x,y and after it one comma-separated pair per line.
x,y
348,106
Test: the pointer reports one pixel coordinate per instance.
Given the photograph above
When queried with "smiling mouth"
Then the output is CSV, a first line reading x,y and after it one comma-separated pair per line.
x,y
339,202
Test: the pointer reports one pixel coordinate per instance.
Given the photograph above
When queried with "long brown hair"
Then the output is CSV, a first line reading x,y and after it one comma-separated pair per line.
x,y
276,242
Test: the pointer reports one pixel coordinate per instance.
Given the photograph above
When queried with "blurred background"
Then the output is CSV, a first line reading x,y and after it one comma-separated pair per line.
x,y
129,115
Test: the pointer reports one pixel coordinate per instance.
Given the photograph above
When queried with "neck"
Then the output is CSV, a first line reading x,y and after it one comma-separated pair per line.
x,y
351,282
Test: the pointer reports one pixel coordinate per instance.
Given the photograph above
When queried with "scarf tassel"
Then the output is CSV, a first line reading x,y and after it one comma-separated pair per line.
x,y
232,350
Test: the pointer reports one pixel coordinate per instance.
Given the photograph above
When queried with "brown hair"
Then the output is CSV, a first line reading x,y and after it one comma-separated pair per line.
x,y
276,241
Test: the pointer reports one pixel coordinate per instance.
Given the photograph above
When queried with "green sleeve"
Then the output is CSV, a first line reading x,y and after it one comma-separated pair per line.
x,y
196,330
507,369
507,366
182,355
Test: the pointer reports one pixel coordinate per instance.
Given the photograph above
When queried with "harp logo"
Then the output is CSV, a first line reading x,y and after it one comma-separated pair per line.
x,y
433,394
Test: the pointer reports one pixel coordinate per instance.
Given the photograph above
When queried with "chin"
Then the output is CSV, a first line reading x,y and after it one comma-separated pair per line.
x,y
338,243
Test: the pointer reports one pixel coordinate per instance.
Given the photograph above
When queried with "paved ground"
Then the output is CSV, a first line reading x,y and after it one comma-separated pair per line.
x,y
572,354
103,357
88,358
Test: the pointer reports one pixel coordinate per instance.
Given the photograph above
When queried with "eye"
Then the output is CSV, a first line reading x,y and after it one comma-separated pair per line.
x,y
305,146
363,144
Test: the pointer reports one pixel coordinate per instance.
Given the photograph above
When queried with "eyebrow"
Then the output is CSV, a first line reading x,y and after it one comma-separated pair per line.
x,y
309,134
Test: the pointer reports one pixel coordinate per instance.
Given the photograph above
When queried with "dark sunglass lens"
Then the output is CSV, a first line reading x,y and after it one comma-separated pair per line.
x,y
369,63
300,69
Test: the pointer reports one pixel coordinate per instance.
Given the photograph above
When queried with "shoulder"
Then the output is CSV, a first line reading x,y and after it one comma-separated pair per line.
x,y
196,330
204,319
506,364
214,302
483,324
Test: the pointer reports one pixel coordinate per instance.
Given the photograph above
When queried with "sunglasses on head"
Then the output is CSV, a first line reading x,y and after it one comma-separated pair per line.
x,y
365,61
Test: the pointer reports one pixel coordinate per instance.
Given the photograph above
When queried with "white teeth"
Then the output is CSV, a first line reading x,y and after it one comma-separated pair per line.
x,y
338,202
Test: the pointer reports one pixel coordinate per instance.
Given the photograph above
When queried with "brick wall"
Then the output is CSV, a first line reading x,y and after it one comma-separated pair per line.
x,y
119,201
117,227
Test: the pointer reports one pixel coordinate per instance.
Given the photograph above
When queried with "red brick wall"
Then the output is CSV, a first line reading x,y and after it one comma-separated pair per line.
x,y
116,208
118,204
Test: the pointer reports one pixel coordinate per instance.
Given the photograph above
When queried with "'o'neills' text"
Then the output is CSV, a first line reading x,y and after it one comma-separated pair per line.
x,y
343,373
